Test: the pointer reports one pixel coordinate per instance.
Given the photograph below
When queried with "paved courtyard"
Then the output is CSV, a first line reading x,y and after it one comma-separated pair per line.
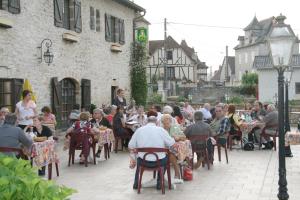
x,y
249,175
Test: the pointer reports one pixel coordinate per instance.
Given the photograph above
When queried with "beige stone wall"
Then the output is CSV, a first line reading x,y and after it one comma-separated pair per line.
x,y
90,58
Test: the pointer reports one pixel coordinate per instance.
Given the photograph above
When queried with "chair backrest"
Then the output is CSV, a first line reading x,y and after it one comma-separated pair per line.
x,y
12,150
152,151
196,139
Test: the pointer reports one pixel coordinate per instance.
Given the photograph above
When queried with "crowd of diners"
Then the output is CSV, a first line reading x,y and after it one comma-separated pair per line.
x,y
168,126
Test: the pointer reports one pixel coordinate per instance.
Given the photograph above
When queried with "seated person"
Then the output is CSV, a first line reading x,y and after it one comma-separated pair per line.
x,y
12,136
271,124
97,121
119,126
140,117
258,111
111,113
38,129
220,125
176,133
178,115
235,121
82,124
150,136
3,112
207,116
200,128
48,118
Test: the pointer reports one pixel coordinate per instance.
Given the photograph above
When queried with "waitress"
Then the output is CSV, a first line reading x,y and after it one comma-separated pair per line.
x,y
26,110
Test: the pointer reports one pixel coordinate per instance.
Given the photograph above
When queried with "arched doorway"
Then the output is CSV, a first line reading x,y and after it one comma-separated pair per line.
x,y
68,98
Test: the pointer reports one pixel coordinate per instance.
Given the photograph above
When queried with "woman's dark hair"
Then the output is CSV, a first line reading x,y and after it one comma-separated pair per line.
x,y
157,108
46,109
177,112
231,109
119,108
76,106
119,90
25,93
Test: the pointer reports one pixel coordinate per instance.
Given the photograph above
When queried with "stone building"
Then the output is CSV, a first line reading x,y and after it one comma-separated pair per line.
x,y
183,67
252,44
91,42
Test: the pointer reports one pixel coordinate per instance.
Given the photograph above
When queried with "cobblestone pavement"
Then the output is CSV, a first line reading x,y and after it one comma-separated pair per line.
x,y
248,176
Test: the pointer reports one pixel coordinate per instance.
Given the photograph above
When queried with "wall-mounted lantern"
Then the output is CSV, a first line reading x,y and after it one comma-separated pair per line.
x,y
47,55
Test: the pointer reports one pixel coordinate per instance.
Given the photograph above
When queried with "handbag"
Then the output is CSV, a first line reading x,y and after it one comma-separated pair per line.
x,y
187,174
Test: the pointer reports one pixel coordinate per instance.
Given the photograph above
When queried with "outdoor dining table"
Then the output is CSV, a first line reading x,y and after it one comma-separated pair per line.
x,y
292,138
247,127
182,150
105,136
44,154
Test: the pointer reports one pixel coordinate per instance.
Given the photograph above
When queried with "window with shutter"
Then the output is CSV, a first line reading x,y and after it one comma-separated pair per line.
x,y
116,25
1,5
66,14
18,88
58,12
97,20
86,94
108,28
56,99
10,92
14,6
122,32
92,18
77,15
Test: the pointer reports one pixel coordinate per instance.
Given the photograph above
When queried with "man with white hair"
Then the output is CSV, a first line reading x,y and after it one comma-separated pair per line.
x,y
150,136
271,124
206,112
168,110
3,112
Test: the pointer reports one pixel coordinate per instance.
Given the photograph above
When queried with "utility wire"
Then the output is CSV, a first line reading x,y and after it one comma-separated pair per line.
x,y
207,26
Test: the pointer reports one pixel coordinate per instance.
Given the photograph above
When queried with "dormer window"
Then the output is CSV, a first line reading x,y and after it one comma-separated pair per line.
x,y
169,55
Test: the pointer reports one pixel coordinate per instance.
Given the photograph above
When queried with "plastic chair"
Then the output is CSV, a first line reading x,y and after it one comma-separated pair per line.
x,y
81,141
219,146
196,139
119,138
158,167
264,134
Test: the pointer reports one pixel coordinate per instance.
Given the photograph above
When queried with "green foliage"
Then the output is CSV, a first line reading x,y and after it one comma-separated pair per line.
x,y
236,100
19,181
249,79
181,99
138,73
155,98
92,107
249,84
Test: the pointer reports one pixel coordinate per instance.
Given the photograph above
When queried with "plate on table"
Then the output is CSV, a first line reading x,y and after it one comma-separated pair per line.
x,y
131,122
39,139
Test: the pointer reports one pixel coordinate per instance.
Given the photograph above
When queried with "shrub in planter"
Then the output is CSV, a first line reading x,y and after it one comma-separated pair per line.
x,y
19,181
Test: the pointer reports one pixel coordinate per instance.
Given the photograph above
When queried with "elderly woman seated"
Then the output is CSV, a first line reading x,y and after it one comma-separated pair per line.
x,y
181,150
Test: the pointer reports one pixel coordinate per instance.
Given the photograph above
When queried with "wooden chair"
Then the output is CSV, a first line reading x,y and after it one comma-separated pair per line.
x,y
195,149
264,134
81,141
237,134
158,167
219,146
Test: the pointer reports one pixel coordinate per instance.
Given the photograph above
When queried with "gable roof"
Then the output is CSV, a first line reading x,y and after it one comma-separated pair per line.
x,y
260,29
231,63
157,44
264,62
131,5
217,75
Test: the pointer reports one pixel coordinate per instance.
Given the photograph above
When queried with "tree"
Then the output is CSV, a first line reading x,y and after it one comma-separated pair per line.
x,y
138,73
249,84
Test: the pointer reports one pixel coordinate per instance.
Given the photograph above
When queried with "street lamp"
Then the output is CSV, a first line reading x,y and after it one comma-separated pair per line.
x,y
288,77
281,40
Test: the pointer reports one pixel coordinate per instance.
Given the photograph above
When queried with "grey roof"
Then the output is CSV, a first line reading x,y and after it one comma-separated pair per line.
x,y
131,5
231,63
264,62
157,44
216,76
260,29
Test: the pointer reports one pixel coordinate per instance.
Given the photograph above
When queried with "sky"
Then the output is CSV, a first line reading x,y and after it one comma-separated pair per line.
x,y
210,42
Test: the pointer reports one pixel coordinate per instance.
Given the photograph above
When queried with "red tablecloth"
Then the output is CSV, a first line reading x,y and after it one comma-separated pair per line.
x,y
182,150
43,153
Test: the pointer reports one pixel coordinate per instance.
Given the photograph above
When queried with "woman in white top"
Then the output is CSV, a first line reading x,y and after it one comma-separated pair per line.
x,y
26,110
